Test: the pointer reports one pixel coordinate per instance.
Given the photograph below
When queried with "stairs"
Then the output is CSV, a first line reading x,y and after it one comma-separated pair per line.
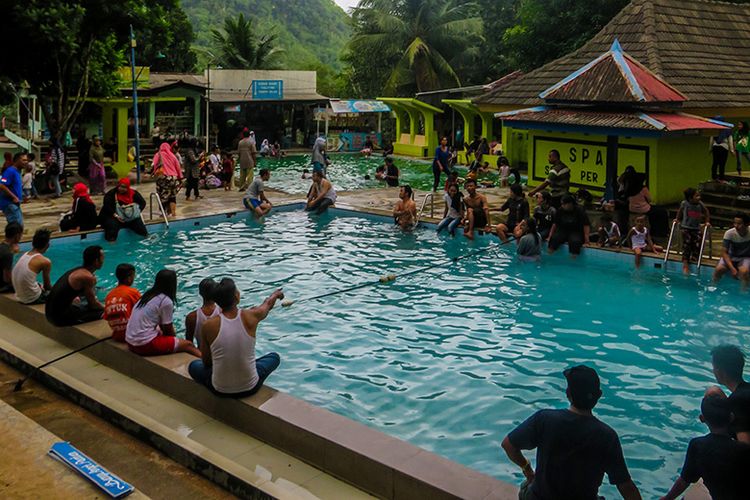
x,y
724,200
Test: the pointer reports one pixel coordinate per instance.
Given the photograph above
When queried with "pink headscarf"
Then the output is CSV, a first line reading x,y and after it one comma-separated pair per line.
x,y
170,163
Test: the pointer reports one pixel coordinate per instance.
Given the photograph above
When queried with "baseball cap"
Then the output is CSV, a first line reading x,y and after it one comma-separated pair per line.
x,y
583,385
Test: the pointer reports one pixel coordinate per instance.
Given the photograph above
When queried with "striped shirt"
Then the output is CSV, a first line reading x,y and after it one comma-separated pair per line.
x,y
737,245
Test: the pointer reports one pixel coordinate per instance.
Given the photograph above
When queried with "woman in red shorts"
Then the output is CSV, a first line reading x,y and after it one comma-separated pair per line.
x,y
150,331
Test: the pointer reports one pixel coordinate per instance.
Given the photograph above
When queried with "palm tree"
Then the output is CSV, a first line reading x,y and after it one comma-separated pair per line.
x,y
427,39
241,47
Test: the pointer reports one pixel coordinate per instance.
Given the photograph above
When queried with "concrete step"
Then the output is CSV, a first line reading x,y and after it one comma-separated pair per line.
x,y
243,465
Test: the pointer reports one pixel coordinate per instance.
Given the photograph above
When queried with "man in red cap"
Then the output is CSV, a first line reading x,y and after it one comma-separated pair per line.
x,y
573,448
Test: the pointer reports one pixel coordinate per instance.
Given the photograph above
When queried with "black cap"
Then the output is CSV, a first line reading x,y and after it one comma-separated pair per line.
x,y
583,385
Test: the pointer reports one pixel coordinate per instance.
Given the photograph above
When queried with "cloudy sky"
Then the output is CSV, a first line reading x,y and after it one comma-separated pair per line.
x,y
345,4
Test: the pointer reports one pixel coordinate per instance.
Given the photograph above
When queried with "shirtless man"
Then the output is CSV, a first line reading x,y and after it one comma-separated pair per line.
x,y
322,195
405,211
64,305
477,210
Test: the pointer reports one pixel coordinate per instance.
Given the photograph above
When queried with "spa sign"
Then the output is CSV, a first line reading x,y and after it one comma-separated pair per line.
x,y
587,160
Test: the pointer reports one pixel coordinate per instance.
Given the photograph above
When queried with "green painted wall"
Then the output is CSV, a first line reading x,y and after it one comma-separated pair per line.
x,y
683,162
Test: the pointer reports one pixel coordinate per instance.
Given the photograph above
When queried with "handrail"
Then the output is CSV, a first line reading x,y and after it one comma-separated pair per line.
x,y
706,230
669,243
424,202
161,207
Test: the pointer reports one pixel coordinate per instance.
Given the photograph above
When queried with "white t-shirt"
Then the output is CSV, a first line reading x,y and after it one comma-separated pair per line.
x,y
215,162
144,321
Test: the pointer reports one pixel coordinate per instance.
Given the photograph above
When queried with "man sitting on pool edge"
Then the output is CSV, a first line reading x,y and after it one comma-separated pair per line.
x,y
322,194
255,198
574,448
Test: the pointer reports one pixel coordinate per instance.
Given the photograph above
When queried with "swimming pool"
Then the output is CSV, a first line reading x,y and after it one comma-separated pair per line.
x,y
453,358
347,172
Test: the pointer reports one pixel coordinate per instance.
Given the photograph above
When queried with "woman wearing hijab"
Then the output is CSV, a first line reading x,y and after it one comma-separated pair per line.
x,y
319,156
122,208
97,176
265,148
168,174
82,216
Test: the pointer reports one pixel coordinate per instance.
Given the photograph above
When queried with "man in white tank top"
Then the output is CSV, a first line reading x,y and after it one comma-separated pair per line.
x,y
29,266
228,365
194,320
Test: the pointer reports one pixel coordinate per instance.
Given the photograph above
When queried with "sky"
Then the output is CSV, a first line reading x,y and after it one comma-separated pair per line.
x,y
346,4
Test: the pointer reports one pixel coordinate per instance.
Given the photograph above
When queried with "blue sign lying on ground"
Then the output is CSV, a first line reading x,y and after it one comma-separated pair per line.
x,y
113,485
268,90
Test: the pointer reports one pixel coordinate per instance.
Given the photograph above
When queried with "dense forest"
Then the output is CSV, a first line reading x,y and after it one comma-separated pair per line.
x,y
310,32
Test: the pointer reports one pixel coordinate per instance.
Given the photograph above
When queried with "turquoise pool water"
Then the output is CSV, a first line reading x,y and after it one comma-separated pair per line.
x,y
452,359
347,172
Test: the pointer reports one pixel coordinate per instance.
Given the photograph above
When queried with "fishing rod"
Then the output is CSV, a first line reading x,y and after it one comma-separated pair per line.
x,y
21,381
392,277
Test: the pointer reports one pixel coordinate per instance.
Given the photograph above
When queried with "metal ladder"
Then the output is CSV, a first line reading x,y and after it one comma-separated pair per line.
x,y
706,232
669,243
161,208
431,197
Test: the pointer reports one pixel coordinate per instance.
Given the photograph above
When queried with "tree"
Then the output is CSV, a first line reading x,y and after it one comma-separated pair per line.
x,y
240,47
64,50
69,49
420,44
164,36
548,29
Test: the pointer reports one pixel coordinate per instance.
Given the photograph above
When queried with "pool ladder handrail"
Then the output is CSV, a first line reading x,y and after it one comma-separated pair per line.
x,y
431,197
706,232
669,243
161,208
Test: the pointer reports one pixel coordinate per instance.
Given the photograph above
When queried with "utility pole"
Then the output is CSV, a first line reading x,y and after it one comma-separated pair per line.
x,y
135,109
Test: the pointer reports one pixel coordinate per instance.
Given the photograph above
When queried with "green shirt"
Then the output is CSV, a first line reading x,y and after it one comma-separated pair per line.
x,y
741,142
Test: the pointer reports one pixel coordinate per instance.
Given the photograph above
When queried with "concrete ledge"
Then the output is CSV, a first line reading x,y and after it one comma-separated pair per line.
x,y
366,458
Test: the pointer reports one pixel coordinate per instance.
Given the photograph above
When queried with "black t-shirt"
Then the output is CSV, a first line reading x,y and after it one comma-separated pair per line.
x,y
740,403
572,454
571,221
722,462
391,171
518,210
6,262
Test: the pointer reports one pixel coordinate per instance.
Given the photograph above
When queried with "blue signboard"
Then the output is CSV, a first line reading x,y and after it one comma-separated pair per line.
x,y
111,484
272,90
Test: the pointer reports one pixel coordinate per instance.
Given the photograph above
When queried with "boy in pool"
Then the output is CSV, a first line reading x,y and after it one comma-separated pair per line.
x,y
306,174
716,458
640,240
609,232
477,210
405,211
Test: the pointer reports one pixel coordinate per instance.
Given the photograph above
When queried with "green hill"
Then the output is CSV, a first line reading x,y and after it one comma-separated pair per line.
x,y
312,32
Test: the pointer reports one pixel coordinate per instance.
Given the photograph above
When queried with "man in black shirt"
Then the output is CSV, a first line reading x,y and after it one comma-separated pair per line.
x,y
728,364
9,247
391,172
571,225
721,461
573,448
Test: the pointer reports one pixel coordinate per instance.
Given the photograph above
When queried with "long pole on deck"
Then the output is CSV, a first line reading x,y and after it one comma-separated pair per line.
x,y
136,128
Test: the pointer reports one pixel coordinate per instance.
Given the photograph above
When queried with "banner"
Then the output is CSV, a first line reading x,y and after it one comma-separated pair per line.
x,y
359,106
355,141
587,160
272,90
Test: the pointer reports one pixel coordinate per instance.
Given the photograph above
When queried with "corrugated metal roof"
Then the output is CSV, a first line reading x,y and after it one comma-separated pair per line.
x,y
658,121
242,96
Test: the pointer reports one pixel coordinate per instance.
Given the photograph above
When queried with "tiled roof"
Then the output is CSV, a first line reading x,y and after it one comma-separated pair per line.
x,y
159,80
613,77
636,120
700,47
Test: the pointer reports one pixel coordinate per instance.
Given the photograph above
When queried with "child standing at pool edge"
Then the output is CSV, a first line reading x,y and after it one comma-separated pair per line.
x,y
691,214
